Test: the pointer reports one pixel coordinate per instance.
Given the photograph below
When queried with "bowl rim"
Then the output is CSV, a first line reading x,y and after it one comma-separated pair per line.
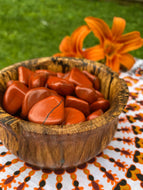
x,y
86,126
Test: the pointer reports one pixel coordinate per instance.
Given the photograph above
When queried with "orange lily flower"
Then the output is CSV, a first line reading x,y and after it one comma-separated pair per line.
x,y
115,44
72,46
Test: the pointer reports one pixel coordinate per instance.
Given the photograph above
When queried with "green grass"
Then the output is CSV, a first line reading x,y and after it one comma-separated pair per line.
x,y
31,29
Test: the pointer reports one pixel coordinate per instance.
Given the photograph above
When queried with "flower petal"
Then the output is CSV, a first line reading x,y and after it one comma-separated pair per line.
x,y
129,37
65,45
131,41
100,29
95,53
127,60
77,38
113,63
118,27
131,45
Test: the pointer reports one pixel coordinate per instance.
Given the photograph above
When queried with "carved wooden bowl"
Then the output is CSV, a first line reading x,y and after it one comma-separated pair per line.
x,y
61,146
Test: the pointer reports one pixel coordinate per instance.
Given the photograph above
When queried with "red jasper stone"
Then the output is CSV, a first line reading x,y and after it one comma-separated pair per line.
x,y
33,96
63,75
61,86
99,94
73,116
100,98
77,103
86,93
37,80
47,72
48,111
95,114
100,104
60,75
9,83
13,97
78,78
24,74
66,76
94,79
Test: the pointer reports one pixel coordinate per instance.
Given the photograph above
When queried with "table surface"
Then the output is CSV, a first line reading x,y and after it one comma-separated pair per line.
x,y
118,167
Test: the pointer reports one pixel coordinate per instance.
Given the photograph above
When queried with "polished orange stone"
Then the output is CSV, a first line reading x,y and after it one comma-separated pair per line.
x,y
100,98
13,97
33,96
63,75
61,86
73,116
9,83
78,78
47,72
99,94
60,75
48,111
37,80
24,74
94,79
77,103
86,93
66,76
95,114
100,104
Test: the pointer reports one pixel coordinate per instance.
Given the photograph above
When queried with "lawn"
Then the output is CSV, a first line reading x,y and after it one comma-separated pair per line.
x,y
31,29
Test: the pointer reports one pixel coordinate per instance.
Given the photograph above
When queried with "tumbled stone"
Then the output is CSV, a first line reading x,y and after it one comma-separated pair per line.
x,y
95,114
33,96
94,79
100,104
61,86
47,72
24,74
13,97
9,83
77,103
99,94
63,75
86,93
73,116
48,111
37,80
78,78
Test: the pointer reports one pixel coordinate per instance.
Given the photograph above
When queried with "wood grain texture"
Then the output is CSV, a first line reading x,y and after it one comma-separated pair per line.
x,y
62,146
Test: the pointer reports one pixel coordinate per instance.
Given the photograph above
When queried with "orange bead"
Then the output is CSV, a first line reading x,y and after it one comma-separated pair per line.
x,y
78,78
37,80
61,86
95,114
13,97
77,103
100,104
94,79
86,93
73,116
33,96
48,111
24,74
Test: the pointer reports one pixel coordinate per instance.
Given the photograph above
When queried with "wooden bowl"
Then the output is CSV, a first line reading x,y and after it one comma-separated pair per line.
x,y
61,146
